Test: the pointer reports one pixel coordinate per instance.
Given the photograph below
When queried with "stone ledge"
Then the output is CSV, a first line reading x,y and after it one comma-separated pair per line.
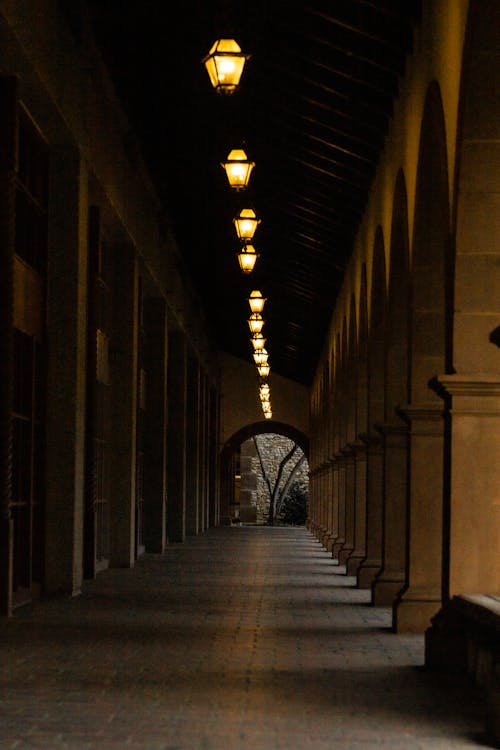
x,y
465,638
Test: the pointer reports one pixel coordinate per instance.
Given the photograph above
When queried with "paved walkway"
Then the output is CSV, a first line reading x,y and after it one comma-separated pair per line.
x,y
240,639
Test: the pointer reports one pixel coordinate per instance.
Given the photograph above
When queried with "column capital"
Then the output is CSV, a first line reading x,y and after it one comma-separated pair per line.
x,y
358,448
425,411
477,393
348,452
387,429
371,439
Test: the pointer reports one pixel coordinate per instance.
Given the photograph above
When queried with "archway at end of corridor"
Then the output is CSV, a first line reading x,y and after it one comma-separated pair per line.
x,y
265,475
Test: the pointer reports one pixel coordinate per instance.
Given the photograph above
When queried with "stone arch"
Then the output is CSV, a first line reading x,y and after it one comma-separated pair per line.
x,y
376,336
477,211
265,426
472,521
430,337
372,562
230,447
362,360
430,262
352,354
360,370
391,579
398,301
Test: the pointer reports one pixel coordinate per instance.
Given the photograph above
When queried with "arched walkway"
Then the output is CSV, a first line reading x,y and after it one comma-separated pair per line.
x,y
229,451
241,638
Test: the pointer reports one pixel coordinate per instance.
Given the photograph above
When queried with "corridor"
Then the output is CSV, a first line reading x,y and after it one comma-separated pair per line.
x,y
244,638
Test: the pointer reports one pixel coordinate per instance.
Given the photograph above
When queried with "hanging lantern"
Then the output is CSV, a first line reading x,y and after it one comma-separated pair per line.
x,y
265,389
260,357
255,323
256,301
238,168
258,341
264,370
247,257
224,64
246,223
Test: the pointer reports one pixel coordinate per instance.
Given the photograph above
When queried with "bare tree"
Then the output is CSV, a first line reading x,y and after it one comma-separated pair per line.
x,y
278,493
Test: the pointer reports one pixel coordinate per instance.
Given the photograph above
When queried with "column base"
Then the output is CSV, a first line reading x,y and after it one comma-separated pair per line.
x,y
385,591
353,563
337,546
414,615
329,542
345,554
367,572
6,565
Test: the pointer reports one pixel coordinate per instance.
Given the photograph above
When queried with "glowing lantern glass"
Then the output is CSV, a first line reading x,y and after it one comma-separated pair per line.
x,y
264,370
260,357
246,223
265,390
256,301
268,414
255,323
224,64
258,341
246,258
238,168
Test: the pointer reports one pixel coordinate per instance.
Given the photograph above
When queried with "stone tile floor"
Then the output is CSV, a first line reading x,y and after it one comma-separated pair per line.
x,y
240,639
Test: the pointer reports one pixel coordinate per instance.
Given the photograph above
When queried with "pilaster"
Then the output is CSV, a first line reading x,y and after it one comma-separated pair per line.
x,y
66,370
8,135
357,555
420,601
372,561
155,458
123,365
473,517
176,438
193,447
341,505
391,579
350,497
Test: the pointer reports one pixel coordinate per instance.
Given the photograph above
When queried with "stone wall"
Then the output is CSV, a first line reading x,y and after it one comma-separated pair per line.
x,y
273,448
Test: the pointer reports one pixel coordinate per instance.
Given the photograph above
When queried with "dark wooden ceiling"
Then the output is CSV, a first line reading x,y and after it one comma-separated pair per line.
x,y
312,111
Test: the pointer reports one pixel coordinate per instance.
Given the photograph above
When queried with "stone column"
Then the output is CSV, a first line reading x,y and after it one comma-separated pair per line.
x,y
155,437
124,394
350,498
328,537
313,500
324,501
8,136
340,538
391,579
202,484
473,517
358,554
66,370
193,447
248,483
374,500
334,494
176,437
206,453
422,597
213,510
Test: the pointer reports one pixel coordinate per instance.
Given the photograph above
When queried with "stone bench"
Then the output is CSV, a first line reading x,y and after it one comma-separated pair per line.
x,y
465,637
